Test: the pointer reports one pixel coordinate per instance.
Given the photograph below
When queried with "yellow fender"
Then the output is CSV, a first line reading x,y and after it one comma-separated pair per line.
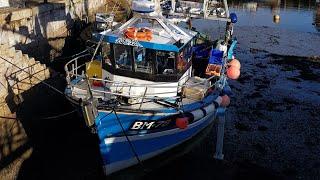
x,y
94,69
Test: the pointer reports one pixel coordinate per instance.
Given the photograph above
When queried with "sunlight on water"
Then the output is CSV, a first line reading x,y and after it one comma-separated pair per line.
x,y
297,15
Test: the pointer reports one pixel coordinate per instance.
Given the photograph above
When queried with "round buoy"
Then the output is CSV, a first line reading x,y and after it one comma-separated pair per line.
x,y
225,101
276,18
182,122
235,63
233,73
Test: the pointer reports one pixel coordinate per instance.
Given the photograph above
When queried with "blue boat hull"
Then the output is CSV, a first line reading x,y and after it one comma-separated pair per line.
x,y
118,154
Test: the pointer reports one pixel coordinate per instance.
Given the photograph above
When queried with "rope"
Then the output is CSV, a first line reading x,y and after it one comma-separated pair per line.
x,y
69,57
130,143
57,116
45,118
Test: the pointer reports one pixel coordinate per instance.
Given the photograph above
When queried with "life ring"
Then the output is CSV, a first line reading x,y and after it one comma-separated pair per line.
x,y
131,29
142,34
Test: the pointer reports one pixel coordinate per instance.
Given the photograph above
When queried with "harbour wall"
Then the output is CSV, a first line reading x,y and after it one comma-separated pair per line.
x,y
31,37
40,30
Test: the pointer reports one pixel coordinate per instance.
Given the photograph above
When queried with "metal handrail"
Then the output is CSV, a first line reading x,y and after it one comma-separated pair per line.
x,y
126,84
73,62
144,96
23,69
123,84
72,73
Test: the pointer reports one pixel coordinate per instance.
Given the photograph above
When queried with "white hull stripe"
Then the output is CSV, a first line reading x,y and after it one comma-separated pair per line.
x,y
153,135
113,167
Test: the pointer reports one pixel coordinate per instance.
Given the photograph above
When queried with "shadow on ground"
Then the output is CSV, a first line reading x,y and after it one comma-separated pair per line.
x,y
63,148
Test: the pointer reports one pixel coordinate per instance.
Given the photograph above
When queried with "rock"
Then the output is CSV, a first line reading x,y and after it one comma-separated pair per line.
x,y
242,127
259,148
262,128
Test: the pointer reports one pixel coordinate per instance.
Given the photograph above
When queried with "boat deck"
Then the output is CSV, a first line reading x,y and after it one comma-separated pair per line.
x,y
80,91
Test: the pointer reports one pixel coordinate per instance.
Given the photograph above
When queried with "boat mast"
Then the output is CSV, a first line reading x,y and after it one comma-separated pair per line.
x,y
225,3
173,6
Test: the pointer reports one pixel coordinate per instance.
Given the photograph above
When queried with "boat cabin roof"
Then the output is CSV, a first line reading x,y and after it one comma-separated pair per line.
x,y
166,36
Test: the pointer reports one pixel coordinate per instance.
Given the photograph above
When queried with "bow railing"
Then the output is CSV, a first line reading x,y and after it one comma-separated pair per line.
x,y
161,90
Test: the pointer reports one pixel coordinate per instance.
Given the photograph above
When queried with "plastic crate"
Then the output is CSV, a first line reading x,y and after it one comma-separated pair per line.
x,y
216,57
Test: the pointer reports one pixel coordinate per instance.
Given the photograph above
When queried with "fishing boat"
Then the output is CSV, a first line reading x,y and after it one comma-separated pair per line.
x,y
151,85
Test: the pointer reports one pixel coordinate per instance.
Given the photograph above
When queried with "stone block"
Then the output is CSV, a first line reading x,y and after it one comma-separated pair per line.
x,y
4,37
25,57
20,14
18,55
31,61
56,29
4,46
11,39
11,52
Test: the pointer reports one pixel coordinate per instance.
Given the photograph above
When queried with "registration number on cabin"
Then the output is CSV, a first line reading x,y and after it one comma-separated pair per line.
x,y
146,125
128,42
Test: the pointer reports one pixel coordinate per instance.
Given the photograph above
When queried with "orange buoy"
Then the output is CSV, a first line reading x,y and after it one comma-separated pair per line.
x,y
225,101
235,63
233,73
182,122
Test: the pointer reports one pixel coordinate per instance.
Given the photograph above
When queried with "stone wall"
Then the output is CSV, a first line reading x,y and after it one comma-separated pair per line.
x,y
33,29
40,31
13,3
18,74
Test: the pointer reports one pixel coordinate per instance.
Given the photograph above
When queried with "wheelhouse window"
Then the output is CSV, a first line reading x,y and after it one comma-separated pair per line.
x,y
145,63
143,59
184,57
165,62
123,57
187,51
105,48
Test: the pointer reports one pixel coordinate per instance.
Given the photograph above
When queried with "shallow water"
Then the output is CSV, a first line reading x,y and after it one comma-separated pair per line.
x,y
297,15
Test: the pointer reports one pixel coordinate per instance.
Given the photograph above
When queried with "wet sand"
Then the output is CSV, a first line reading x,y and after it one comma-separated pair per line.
x,y
273,123
272,129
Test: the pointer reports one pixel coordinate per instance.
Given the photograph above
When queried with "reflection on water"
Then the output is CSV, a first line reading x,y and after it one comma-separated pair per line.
x,y
299,15
317,17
